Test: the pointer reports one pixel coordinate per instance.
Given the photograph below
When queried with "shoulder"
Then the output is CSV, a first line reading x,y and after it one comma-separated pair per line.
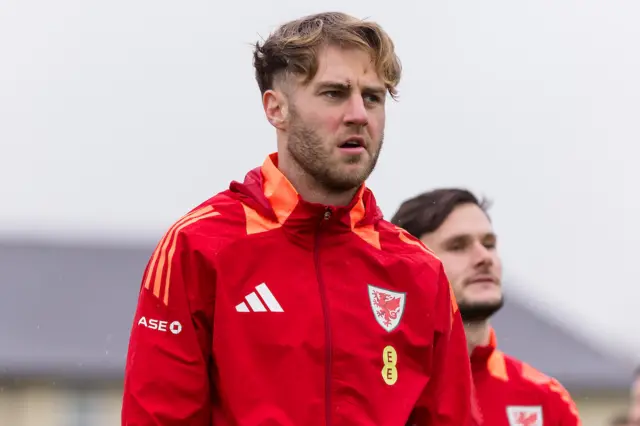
x,y
396,240
550,389
211,223
187,251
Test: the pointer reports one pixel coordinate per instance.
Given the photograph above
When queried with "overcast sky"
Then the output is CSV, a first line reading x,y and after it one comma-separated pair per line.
x,y
116,117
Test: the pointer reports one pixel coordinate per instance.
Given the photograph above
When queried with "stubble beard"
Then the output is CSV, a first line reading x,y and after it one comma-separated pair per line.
x,y
479,312
307,149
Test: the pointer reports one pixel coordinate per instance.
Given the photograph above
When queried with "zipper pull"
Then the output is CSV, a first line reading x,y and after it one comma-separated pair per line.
x,y
327,213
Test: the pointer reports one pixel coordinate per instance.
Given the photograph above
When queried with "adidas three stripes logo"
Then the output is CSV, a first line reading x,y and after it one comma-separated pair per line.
x,y
261,300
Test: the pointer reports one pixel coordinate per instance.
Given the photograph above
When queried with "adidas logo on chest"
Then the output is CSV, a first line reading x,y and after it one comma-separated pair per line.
x,y
260,300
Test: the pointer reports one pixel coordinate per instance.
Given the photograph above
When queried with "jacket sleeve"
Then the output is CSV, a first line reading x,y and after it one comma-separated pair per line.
x,y
166,375
562,406
449,397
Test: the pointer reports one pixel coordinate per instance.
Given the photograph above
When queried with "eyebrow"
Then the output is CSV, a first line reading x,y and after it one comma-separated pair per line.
x,y
346,87
459,237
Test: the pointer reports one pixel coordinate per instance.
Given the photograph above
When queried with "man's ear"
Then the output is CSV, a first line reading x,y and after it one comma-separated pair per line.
x,y
275,108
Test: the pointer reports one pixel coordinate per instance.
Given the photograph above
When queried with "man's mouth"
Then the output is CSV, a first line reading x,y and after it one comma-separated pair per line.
x,y
353,144
482,279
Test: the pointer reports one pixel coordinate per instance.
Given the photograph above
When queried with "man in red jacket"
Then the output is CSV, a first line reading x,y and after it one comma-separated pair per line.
x,y
456,226
287,299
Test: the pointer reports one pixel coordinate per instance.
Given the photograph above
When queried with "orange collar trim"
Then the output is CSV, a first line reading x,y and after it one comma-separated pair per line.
x,y
284,198
490,358
281,194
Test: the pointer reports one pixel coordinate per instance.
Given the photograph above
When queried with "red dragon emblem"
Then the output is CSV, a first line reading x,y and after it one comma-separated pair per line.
x,y
524,415
525,419
387,306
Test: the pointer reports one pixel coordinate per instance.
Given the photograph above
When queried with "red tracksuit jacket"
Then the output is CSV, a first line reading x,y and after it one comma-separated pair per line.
x,y
512,393
258,308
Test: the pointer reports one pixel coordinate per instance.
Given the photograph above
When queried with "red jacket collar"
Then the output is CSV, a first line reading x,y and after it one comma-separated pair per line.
x,y
481,355
267,191
489,359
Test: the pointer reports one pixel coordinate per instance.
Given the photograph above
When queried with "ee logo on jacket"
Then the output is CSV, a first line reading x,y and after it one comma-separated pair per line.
x,y
389,371
387,307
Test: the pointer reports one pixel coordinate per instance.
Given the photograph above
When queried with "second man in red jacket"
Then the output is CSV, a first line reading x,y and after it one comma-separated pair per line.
x,y
456,225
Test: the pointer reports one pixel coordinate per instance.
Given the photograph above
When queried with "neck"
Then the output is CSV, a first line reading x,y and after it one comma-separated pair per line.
x,y
477,333
310,189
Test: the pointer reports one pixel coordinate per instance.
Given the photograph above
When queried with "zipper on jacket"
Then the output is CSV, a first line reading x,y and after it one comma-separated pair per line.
x,y
327,322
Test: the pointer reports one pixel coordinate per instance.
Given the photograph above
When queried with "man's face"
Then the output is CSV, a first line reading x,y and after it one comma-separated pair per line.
x,y
466,244
335,123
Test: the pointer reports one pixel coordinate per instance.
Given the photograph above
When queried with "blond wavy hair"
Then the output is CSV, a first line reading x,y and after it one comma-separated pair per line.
x,y
294,46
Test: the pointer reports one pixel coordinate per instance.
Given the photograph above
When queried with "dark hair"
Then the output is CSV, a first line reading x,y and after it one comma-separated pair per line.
x,y
426,212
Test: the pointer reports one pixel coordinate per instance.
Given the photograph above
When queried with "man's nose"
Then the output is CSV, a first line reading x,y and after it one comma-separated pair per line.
x,y
356,113
482,255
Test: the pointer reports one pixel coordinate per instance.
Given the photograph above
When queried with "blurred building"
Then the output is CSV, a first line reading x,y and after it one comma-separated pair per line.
x,y
66,312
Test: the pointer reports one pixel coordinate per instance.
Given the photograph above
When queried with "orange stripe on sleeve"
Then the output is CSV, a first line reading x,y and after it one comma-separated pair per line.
x,y
565,396
173,249
156,266
533,375
408,239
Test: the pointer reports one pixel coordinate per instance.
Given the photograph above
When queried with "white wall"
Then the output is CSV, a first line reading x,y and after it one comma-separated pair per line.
x,y
116,117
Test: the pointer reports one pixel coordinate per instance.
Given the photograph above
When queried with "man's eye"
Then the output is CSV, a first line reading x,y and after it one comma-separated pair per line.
x,y
332,94
490,243
456,247
372,98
